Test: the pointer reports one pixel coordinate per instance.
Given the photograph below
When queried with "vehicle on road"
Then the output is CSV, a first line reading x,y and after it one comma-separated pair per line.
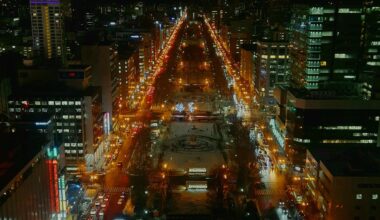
x,y
93,211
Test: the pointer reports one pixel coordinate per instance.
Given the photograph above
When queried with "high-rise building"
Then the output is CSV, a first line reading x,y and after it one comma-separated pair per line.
x,y
323,119
265,64
247,65
77,121
326,43
129,73
47,25
370,76
103,59
272,68
240,31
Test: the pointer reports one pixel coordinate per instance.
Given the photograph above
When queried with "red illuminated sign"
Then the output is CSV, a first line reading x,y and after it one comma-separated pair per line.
x,y
53,185
72,74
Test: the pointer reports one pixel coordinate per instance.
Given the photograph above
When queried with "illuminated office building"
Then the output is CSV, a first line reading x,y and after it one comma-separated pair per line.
x,y
370,76
129,73
47,25
327,43
322,119
103,58
78,120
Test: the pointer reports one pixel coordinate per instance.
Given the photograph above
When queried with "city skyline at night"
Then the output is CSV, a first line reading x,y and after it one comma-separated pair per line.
x,y
221,109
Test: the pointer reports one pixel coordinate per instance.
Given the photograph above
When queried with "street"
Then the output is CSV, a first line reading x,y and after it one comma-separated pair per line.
x,y
193,78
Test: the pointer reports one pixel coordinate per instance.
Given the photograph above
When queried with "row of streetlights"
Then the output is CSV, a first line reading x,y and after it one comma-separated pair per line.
x,y
240,89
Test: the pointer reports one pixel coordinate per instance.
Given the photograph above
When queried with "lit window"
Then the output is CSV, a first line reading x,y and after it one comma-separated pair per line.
x,y
359,196
37,103
64,102
51,102
342,56
375,196
77,103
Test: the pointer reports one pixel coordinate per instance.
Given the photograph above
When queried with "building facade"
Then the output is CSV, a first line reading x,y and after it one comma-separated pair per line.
x,y
343,183
103,58
307,120
247,65
370,75
77,120
272,68
130,77
5,91
47,28
325,44
29,186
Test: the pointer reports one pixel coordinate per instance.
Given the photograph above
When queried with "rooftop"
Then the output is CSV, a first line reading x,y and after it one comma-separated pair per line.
x,y
350,161
329,91
325,99
52,90
75,67
17,149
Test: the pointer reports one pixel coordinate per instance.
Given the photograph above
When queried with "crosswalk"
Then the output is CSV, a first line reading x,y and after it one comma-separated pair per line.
x,y
116,189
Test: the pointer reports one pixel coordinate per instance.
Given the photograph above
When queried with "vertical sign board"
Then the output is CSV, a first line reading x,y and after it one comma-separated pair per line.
x,y
106,123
